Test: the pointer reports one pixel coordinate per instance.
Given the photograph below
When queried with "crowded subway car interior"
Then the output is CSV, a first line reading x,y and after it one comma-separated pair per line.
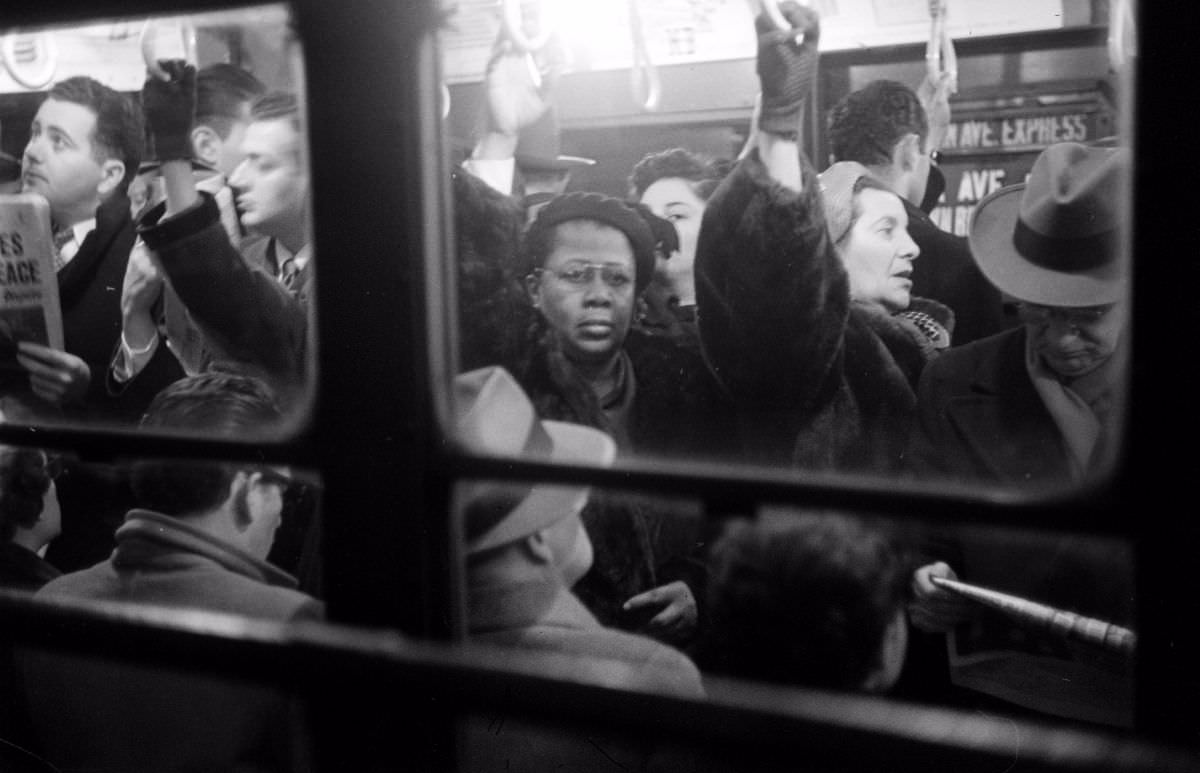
x,y
550,385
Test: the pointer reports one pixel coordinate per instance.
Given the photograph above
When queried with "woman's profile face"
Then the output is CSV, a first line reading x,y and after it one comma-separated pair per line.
x,y
878,252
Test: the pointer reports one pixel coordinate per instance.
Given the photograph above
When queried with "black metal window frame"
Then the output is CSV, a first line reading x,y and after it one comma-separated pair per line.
x,y
392,567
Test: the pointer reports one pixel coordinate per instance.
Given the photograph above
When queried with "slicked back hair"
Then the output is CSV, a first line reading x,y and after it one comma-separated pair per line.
x,y
224,93
119,132
865,125
217,405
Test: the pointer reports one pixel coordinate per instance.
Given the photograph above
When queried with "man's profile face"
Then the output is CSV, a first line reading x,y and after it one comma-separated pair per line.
x,y
60,161
1073,342
270,181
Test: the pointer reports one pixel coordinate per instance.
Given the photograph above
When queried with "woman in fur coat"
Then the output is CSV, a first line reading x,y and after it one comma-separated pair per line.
x,y
804,286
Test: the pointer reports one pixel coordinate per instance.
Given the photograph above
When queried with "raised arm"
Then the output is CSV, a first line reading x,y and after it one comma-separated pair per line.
x,y
773,295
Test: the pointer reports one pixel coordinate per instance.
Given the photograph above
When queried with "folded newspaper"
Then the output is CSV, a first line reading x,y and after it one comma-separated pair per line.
x,y
29,308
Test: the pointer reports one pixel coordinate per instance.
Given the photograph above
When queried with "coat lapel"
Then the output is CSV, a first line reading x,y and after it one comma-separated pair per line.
x,y
75,277
1003,421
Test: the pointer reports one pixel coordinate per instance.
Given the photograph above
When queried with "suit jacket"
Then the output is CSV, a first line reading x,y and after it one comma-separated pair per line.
x,y
980,418
94,715
89,291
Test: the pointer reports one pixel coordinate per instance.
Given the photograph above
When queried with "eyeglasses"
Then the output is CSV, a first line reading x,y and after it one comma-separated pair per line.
x,y
1075,318
275,477
579,275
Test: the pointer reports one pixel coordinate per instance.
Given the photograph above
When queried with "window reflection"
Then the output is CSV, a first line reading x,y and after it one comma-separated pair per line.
x,y
141,145
1004,621
780,323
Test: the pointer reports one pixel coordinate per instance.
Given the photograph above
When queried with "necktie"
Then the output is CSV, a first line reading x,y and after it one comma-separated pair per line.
x,y
64,247
288,275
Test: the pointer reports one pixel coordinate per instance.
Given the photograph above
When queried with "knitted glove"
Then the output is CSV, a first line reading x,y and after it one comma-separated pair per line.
x,y
169,107
786,69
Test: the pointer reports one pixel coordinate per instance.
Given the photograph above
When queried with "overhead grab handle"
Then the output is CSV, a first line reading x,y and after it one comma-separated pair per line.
x,y
644,79
31,58
774,14
150,32
939,51
514,25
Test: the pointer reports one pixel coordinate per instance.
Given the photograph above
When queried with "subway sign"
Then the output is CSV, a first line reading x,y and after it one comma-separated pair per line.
x,y
1019,133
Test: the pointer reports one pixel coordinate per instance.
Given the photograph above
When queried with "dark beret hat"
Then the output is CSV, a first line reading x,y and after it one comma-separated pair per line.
x,y
603,209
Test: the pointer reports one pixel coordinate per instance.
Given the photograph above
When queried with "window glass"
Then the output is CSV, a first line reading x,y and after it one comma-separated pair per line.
x,y
114,289
826,322
653,594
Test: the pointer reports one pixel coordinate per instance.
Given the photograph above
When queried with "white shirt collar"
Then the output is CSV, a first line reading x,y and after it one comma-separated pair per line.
x,y
282,254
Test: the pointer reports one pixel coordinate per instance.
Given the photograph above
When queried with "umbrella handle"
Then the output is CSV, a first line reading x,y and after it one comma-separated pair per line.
x,y
150,36
514,28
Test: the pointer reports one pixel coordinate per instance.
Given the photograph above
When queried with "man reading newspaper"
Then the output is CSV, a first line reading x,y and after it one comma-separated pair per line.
x,y
84,147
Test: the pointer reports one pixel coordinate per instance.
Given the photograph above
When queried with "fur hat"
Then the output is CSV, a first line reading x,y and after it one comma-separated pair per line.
x,y
495,417
1055,240
604,209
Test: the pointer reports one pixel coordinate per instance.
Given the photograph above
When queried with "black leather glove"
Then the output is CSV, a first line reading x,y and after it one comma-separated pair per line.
x,y
169,107
786,69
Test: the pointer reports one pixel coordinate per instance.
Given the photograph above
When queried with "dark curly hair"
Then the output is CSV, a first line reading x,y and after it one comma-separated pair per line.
x,y
866,124
24,482
218,405
803,599
703,174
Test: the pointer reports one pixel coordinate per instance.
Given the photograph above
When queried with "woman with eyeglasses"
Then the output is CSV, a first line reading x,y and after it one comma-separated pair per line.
x,y
588,257
29,517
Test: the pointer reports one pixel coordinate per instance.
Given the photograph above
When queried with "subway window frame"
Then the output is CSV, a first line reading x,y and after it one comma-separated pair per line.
x,y
392,553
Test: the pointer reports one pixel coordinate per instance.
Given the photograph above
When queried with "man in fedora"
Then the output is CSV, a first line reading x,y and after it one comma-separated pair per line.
x,y
526,546
1035,406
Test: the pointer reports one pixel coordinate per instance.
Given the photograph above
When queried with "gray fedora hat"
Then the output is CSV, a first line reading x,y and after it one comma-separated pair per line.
x,y
494,416
1055,240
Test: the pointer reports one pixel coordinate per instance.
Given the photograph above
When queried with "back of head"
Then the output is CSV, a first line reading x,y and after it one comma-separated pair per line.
x,y
703,175
119,132
866,124
23,484
213,405
224,93
803,599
